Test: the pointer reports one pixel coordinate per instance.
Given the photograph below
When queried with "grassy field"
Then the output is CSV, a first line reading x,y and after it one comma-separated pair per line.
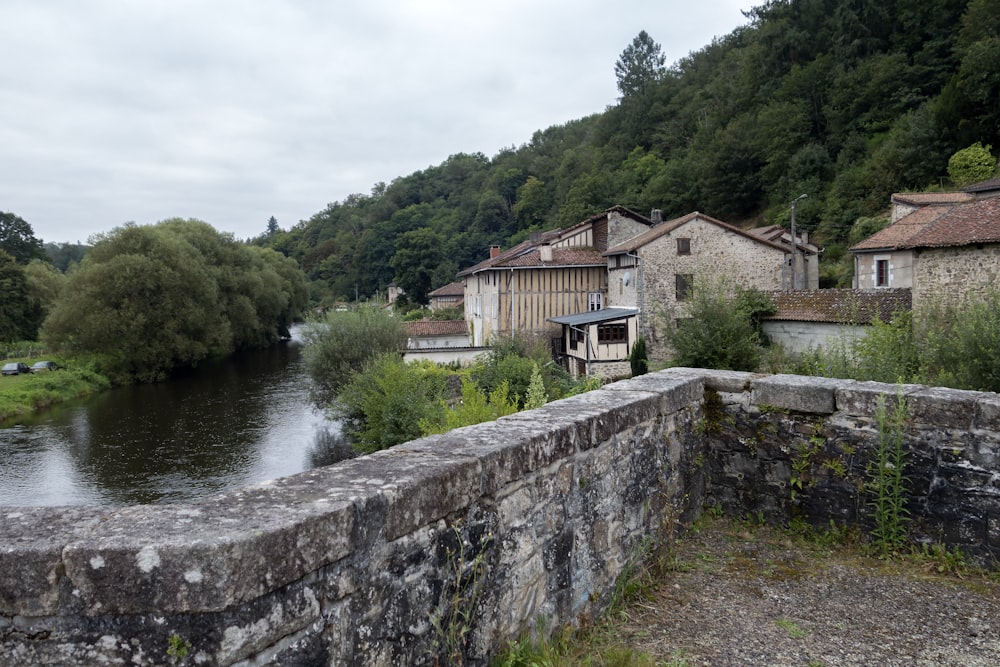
x,y
25,394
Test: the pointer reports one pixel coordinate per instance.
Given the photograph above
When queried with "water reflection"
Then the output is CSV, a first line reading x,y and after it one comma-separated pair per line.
x,y
229,424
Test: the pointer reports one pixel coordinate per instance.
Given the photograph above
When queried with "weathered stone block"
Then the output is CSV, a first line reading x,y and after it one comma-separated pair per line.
x,y
860,399
730,382
944,408
675,393
987,413
32,540
794,392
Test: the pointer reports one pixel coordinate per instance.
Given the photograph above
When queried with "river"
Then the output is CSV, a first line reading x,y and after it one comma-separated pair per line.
x,y
230,423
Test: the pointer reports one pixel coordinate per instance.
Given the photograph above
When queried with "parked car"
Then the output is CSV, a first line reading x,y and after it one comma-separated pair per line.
x,y
40,366
14,369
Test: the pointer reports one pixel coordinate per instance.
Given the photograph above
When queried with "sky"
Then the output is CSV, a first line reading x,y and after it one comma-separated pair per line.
x,y
233,111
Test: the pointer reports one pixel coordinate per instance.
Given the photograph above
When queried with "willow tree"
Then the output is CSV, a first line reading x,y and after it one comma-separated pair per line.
x,y
149,299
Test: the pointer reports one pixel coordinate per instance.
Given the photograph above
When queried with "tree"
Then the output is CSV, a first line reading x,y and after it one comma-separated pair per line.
x,y
639,66
638,359
18,239
971,165
340,346
272,226
17,319
149,299
418,254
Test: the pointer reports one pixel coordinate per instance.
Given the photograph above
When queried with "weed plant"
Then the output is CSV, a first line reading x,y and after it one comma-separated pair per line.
x,y
887,480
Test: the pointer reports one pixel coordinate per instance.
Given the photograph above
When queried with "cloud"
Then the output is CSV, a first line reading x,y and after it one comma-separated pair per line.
x,y
232,112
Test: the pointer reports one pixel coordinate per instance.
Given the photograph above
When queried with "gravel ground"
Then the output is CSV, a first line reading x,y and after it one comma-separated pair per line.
x,y
753,596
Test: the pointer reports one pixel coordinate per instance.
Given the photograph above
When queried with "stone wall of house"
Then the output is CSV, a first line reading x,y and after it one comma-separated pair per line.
x,y
902,264
714,251
805,336
621,228
477,534
951,273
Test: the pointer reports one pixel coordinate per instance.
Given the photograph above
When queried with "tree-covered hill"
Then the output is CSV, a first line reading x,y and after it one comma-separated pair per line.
x,y
846,101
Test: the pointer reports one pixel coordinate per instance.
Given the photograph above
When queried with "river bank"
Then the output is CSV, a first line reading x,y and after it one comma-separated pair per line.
x,y
22,395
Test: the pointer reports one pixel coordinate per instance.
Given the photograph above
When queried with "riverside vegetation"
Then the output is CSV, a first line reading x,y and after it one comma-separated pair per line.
x,y
355,361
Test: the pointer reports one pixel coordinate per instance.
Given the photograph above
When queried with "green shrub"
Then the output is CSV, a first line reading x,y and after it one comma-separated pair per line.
x,y
386,403
343,343
959,342
638,359
719,331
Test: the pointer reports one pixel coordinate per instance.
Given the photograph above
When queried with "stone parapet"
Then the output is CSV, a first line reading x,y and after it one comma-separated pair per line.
x,y
446,547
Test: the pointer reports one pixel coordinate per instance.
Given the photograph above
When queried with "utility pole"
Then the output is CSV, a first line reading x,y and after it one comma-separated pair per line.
x,y
796,283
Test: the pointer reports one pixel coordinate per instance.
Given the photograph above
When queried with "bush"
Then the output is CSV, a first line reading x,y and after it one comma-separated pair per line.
x,y
959,342
342,344
638,359
385,404
719,331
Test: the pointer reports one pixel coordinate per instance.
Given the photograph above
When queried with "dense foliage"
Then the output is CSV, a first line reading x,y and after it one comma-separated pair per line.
x,y
149,299
343,343
383,400
846,101
946,343
717,327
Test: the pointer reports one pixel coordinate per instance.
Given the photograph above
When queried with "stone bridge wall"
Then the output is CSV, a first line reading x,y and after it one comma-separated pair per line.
x,y
469,538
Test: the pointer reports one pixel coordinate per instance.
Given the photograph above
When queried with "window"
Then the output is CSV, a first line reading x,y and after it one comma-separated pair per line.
x,y
594,301
683,246
682,285
477,306
575,337
881,273
612,333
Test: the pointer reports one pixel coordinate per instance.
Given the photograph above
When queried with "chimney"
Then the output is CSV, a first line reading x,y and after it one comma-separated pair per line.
x,y
804,235
494,251
545,252
656,216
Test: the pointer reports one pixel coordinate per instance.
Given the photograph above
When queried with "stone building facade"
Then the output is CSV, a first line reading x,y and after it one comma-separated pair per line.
x,y
943,251
655,270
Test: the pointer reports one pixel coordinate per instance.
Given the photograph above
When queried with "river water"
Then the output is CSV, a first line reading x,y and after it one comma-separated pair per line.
x,y
228,424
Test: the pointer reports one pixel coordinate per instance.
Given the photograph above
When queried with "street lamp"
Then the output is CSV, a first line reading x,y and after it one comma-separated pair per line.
x,y
796,285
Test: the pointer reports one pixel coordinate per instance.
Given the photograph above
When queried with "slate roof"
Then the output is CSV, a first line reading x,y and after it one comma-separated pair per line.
x,y
841,306
436,328
592,316
940,227
668,226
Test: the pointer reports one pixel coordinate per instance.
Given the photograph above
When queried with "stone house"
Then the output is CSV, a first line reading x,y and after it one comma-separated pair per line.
x,y
451,295
553,274
653,272
944,250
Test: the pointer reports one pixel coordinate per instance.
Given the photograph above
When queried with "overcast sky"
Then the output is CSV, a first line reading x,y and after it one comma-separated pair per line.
x,y
231,111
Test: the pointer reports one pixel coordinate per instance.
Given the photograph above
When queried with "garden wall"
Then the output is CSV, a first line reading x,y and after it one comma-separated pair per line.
x,y
459,542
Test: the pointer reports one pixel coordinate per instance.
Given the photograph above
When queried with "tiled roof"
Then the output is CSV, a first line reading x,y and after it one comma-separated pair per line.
x,y
511,253
560,257
940,227
668,226
930,198
844,306
984,186
436,328
451,289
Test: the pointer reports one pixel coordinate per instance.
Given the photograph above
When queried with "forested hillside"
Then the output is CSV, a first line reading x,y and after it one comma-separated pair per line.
x,y
846,101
